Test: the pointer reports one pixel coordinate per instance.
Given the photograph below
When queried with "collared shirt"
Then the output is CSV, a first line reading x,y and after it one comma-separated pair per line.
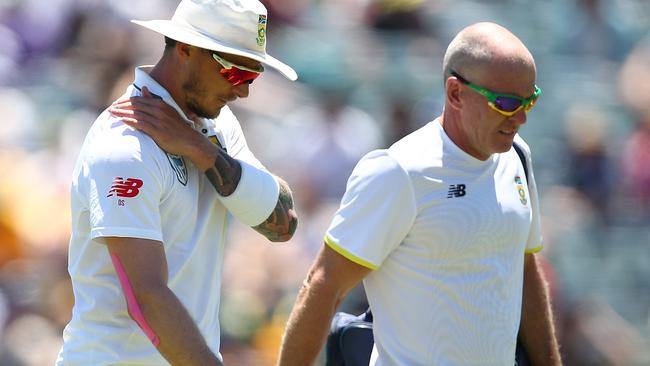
x,y
445,234
124,185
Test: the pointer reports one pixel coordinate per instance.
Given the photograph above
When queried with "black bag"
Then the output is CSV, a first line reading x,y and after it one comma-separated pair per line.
x,y
350,340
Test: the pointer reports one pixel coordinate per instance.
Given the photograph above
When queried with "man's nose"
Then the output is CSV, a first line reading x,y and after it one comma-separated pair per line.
x,y
241,90
519,117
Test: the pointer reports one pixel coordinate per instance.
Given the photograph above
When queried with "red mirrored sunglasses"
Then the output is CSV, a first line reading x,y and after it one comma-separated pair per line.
x,y
237,74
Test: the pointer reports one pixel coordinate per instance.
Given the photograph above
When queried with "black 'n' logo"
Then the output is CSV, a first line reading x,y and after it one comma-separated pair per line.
x,y
456,190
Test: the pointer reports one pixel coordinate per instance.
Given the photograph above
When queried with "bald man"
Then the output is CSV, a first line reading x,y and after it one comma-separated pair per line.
x,y
443,228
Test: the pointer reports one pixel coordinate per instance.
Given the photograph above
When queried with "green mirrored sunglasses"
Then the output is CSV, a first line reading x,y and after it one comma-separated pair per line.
x,y
506,104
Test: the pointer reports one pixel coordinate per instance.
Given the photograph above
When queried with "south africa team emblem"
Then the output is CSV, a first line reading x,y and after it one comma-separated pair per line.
x,y
521,191
178,164
261,30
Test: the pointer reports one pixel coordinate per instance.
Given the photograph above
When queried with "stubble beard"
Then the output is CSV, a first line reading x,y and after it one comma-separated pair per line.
x,y
191,88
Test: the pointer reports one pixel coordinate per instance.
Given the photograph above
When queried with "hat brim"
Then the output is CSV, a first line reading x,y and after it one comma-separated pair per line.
x,y
190,36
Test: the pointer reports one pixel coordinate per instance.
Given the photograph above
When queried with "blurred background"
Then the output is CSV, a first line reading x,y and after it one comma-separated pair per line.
x,y
370,72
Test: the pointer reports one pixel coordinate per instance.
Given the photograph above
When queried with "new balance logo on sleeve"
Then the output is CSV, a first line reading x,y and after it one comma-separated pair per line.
x,y
129,187
456,190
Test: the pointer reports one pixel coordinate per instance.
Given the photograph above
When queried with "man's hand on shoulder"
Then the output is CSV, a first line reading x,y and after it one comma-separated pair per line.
x,y
151,115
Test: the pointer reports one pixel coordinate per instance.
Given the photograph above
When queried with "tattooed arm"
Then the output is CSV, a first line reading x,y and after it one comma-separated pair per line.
x,y
283,221
224,174
281,224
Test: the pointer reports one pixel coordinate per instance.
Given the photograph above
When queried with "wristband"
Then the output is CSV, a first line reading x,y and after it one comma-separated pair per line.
x,y
255,197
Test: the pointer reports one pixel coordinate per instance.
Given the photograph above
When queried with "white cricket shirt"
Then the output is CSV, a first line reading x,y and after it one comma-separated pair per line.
x,y
446,235
125,185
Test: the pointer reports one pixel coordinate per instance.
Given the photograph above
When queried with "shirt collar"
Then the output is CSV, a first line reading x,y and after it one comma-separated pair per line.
x,y
142,78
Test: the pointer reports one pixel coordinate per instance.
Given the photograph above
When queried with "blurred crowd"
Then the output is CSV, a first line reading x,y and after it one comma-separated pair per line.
x,y
370,72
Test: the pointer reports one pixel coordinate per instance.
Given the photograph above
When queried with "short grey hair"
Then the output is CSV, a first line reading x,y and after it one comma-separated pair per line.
x,y
466,53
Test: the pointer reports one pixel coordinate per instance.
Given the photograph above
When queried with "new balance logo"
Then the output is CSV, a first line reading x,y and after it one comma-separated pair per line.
x,y
456,190
121,187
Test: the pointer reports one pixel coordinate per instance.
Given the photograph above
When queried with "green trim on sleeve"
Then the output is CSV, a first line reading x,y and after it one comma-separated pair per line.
x,y
534,250
347,254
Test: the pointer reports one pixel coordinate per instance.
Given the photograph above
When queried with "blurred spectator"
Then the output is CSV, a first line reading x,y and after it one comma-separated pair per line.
x,y
635,89
396,15
401,120
42,29
286,13
588,167
328,139
636,161
594,32
10,245
596,335
634,79
12,50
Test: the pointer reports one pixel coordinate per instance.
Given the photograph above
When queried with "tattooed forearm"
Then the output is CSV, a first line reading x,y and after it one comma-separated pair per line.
x,y
282,223
224,174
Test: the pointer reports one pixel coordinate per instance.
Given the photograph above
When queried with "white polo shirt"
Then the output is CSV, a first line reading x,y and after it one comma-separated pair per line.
x,y
125,185
445,234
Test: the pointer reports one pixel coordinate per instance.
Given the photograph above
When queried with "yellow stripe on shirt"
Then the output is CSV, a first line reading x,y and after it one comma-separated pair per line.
x,y
348,255
534,250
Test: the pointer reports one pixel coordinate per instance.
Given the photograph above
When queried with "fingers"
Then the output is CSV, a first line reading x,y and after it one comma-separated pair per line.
x,y
140,102
285,224
155,107
144,101
136,115
120,101
121,112
134,111
131,122
145,107
136,119
137,124
293,221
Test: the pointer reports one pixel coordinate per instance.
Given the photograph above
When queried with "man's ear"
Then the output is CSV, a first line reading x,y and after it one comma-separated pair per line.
x,y
184,50
452,92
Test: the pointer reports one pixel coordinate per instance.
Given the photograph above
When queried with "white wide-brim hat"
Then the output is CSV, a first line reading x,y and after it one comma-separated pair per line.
x,y
231,26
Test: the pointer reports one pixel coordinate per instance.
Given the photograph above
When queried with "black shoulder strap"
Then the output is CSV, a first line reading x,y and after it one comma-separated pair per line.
x,y
522,157
367,316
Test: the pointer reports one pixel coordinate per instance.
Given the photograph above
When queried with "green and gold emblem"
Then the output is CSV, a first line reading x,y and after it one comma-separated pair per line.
x,y
521,191
261,30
